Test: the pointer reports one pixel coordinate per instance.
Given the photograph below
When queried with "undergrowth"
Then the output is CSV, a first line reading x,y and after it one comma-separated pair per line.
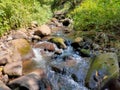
x,y
19,13
98,15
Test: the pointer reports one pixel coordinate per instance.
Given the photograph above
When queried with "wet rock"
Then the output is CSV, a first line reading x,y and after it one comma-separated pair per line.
x,y
59,41
103,68
70,62
46,46
57,69
84,43
58,52
13,69
42,31
113,84
85,52
32,81
3,86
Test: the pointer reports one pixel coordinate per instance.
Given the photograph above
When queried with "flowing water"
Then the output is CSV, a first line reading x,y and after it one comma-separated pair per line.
x,y
62,74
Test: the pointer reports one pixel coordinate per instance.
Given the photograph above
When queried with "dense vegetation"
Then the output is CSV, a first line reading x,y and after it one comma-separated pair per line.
x,y
88,15
19,13
99,15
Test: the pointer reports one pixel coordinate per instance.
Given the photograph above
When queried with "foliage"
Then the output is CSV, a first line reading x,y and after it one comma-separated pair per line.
x,y
19,13
64,5
97,15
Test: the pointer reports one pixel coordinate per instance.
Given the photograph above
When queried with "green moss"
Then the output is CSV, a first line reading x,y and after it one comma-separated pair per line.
x,y
105,65
85,52
59,41
25,50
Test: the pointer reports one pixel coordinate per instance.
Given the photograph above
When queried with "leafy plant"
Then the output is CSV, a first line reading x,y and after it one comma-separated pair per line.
x,y
97,15
19,13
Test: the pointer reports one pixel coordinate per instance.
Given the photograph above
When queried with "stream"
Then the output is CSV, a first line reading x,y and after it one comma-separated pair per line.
x,y
66,71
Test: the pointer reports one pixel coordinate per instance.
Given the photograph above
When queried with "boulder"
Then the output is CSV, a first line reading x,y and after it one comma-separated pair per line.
x,y
3,86
42,31
13,69
46,46
59,41
22,47
32,81
103,68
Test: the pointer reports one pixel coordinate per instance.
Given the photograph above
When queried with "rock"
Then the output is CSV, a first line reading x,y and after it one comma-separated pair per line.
x,y
84,44
33,81
19,34
85,52
13,69
5,57
34,24
4,78
95,46
46,46
113,84
35,38
102,38
70,62
58,52
3,86
103,68
23,48
42,31
59,41
78,39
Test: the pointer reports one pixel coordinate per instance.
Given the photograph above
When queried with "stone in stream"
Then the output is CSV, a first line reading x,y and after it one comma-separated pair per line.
x,y
103,68
33,81
85,52
42,31
82,43
59,41
46,46
13,69
3,86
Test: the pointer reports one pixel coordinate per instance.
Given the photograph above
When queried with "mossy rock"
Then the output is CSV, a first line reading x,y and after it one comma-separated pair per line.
x,y
59,41
22,46
85,52
103,68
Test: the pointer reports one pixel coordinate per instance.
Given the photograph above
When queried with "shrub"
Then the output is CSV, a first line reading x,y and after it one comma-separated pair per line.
x,y
19,13
97,15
